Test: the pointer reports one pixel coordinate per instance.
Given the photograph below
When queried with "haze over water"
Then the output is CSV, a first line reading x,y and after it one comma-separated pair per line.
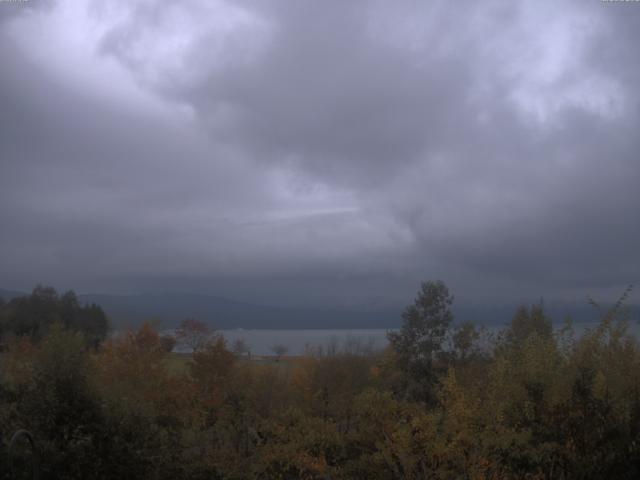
x,y
260,342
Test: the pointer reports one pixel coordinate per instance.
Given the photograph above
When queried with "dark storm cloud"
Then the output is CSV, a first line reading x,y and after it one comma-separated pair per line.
x,y
326,152
322,91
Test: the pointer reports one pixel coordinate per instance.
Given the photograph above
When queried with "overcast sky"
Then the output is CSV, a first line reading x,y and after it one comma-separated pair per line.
x,y
322,152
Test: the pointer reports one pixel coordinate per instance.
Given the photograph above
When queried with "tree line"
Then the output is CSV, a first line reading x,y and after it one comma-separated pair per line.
x,y
33,316
443,401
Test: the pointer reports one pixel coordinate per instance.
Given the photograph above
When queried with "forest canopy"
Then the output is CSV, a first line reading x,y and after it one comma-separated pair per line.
x,y
443,401
34,315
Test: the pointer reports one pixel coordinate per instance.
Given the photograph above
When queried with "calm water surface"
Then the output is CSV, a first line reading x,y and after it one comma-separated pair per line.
x,y
261,342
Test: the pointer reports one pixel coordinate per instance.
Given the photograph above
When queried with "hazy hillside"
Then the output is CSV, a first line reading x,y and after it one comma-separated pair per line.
x,y
171,308
9,294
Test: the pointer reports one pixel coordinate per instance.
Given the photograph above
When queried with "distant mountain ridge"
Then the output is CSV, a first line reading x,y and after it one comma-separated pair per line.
x,y
221,313
170,308
9,294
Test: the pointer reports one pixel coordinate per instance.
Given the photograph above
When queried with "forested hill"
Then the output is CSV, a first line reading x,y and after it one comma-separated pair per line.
x,y
221,313
9,294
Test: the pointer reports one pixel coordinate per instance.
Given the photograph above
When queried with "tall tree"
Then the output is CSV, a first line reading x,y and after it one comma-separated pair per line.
x,y
528,321
418,345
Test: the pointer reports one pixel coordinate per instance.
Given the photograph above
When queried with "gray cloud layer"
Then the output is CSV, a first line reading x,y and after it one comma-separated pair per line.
x,y
327,152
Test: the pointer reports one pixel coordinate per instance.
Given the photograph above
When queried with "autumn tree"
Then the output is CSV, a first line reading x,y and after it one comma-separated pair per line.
x,y
418,345
465,341
59,407
193,334
528,321
210,368
144,406
168,342
329,383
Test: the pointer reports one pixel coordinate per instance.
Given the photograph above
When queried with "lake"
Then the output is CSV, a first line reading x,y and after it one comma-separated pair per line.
x,y
261,341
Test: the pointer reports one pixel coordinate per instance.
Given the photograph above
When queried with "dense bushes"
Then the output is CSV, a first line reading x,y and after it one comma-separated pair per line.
x,y
527,403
